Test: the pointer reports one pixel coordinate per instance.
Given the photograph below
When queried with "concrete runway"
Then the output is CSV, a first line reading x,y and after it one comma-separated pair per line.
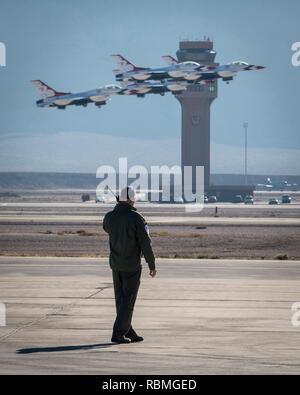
x,y
144,205
93,213
197,317
185,220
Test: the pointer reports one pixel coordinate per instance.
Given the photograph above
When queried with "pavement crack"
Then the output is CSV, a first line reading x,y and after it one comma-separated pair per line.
x,y
56,312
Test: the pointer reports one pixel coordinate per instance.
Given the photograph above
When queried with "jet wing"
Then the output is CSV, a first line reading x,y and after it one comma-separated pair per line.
x,y
158,75
145,75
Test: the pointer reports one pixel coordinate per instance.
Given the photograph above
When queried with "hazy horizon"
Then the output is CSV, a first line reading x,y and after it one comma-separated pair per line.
x,y
91,150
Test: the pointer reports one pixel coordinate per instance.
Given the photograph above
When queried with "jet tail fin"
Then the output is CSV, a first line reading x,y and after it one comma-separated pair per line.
x,y
45,90
170,60
124,65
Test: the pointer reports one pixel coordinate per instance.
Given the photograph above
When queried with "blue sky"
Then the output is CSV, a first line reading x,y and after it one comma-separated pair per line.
x,y
68,43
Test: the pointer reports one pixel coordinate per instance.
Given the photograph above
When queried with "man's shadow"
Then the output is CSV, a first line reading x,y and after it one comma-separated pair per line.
x,y
64,348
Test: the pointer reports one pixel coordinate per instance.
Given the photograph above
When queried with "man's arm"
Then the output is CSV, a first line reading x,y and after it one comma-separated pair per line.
x,y
144,242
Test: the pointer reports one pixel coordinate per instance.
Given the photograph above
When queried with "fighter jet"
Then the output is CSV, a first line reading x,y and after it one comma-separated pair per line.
x,y
51,98
127,71
226,71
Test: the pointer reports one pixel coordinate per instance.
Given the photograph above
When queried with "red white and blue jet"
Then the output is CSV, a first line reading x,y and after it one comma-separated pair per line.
x,y
189,71
226,71
51,98
127,71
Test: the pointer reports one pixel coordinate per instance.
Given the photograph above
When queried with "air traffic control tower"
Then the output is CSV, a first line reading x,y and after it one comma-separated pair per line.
x,y
195,121
195,106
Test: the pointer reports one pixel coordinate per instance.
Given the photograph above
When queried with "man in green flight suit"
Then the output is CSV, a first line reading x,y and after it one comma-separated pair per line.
x,y
128,240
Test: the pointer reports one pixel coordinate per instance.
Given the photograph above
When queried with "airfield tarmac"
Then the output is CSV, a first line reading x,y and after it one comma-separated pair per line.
x,y
230,314
197,317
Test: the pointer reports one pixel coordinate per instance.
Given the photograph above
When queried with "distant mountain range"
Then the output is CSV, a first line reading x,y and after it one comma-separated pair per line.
x,y
10,181
83,152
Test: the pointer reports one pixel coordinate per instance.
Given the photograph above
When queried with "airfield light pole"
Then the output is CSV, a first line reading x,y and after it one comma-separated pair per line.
x,y
246,143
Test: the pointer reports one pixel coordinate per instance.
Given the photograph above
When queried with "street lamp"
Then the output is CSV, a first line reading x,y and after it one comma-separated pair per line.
x,y
246,130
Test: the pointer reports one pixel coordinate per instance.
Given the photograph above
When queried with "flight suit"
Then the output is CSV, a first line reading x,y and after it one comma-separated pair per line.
x,y
128,239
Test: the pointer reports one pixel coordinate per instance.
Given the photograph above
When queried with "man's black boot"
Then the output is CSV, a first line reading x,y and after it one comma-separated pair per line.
x,y
121,340
134,337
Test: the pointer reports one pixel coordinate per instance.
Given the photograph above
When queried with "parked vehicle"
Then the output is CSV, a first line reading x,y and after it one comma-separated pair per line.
x,y
286,199
85,197
179,200
212,199
248,199
237,199
99,199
